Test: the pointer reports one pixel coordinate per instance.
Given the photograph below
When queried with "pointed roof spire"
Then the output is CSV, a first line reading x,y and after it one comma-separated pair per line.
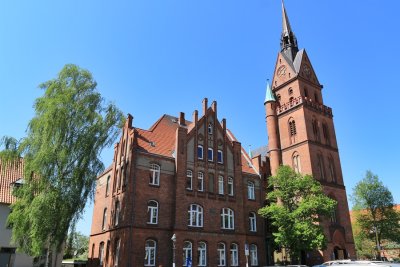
x,y
269,95
250,153
288,39
286,29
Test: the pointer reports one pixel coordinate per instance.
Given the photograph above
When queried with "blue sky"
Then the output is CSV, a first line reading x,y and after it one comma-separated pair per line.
x,y
156,57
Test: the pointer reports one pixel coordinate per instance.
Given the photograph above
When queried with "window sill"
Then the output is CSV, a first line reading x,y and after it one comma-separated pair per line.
x,y
154,185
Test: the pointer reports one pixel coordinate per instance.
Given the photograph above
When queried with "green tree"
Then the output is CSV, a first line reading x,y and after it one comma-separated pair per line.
x,y
77,246
375,214
295,206
61,152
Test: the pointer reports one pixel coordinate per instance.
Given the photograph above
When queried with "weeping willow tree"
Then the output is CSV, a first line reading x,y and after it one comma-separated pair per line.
x,y
64,139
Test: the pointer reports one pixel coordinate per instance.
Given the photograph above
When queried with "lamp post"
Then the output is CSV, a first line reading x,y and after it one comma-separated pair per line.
x,y
173,238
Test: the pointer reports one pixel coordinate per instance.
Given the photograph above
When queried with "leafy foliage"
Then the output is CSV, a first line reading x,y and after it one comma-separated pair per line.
x,y
77,246
61,152
375,216
296,204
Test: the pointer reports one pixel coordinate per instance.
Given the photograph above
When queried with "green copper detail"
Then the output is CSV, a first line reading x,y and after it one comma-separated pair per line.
x,y
269,96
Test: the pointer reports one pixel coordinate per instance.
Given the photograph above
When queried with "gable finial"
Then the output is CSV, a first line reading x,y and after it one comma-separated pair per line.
x,y
288,39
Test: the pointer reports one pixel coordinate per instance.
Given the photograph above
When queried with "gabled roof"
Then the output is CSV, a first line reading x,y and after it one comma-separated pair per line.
x,y
9,174
160,140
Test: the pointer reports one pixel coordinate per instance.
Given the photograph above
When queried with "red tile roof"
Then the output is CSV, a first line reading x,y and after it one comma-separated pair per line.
x,y
160,140
9,173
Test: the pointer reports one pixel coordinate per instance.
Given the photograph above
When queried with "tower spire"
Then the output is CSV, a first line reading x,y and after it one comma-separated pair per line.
x,y
288,39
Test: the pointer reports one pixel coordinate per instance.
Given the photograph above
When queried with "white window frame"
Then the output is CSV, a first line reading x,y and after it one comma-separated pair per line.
x,y
234,253
253,222
187,251
212,154
221,254
253,255
230,186
200,181
195,215
189,180
220,156
152,212
251,190
200,148
221,185
150,253
202,254
155,170
227,219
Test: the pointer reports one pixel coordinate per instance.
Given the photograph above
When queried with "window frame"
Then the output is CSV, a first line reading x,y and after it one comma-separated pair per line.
x,y
234,254
202,254
220,156
227,219
101,253
195,215
155,173
150,261
117,251
200,181
221,185
104,223
252,222
187,251
251,194
221,254
253,251
152,212
210,157
189,179
200,152
231,191
108,185
117,213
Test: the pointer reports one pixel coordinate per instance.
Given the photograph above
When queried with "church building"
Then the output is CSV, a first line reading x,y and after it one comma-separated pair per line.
x,y
185,193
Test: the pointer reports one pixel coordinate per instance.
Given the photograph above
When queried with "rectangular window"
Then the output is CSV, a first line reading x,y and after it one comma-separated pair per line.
x,y
221,185
200,182
200,152
220,157
210,154
230,186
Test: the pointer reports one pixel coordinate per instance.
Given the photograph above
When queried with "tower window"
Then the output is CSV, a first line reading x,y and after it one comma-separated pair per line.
x,y
290,90
292,127
332,171
316,97
315,130
325,131
305,92
103,226
321,167
230,186
220,156
296,163
150,257
152,212
200,181
154,174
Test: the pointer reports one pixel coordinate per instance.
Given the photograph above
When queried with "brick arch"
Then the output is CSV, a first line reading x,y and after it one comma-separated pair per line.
x,y
338,239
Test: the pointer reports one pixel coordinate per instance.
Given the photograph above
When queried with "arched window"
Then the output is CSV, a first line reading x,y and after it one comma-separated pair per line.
x,y
150,253
253,222
292,127
152,212
227,219
334,217
201,254
108,185
117,249
325,132
221,260
305,92
296,162
332,173
230,186
104,223
189,177
187,253
200,181
316,130
210,128
321,167
200,152
253,255
250,190
234,251
195,215
290,90
220,185
101,253
154,174
117,213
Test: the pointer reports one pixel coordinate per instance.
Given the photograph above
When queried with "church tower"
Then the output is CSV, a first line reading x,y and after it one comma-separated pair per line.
x,y
301,134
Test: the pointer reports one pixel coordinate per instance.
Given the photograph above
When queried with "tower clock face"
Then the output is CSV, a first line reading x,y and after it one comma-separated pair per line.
x,y
281,71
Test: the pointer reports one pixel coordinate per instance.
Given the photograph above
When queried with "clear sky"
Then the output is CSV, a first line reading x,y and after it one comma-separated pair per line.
x,y
155,57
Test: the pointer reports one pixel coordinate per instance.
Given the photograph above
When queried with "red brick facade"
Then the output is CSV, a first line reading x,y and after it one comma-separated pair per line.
x,y
172,145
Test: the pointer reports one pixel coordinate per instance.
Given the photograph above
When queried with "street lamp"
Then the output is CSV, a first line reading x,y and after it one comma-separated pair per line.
x,y
173,238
